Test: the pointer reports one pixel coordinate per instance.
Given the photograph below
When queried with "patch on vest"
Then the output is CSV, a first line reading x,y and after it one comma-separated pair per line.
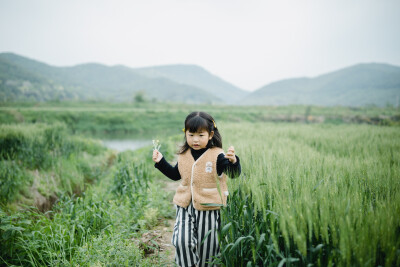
x,y
208,166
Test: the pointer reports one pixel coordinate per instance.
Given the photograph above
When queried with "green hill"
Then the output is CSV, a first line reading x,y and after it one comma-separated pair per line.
x,y
196,76
25,79
18,82
362,84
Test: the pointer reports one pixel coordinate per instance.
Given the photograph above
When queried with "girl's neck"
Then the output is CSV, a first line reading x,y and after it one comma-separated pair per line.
x,y
197,153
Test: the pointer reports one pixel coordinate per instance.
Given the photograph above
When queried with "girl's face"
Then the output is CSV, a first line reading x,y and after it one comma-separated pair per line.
x,y
198,140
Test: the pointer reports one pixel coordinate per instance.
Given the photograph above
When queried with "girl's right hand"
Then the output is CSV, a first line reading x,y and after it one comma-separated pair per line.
x,y
157,156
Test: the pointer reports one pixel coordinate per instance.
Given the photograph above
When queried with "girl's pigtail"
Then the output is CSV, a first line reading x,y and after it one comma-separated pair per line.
x,y
216,140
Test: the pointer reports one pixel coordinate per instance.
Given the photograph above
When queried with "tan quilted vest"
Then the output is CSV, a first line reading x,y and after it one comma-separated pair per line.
x,y
200,182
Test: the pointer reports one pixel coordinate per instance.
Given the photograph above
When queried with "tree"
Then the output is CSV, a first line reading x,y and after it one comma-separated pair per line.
x,y
139,97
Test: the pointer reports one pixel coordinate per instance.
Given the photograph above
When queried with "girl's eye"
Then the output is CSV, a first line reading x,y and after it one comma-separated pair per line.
x,y
202,135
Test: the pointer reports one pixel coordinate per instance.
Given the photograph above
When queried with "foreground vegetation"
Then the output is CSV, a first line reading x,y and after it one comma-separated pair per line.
x,y
67,201
322,191
313,194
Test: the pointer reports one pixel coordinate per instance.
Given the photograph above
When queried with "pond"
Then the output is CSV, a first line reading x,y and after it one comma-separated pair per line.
x,y
123,145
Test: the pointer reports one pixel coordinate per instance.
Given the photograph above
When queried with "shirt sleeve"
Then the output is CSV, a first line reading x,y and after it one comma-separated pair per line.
x,y
233,170
168,170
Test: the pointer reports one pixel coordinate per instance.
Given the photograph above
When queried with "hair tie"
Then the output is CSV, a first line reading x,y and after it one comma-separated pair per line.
x,y
183,130
215,126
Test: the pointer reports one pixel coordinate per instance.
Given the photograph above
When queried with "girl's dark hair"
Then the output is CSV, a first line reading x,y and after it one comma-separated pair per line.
x,y
197,121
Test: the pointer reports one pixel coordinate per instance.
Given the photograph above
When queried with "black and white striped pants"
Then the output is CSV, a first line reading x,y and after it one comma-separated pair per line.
x,y
190,228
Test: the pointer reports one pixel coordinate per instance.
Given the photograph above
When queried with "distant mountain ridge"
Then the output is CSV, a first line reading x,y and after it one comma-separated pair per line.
x,y
23,79
196,76
358,85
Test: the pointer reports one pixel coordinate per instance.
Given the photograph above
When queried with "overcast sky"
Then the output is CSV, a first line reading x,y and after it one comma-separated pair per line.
x,y
249,43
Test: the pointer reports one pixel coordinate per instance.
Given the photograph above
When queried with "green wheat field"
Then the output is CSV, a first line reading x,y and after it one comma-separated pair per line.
x,y
319,186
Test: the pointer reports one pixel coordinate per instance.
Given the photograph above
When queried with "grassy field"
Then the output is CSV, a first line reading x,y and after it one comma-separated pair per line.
x,y
99,119
313,194
319,186
68,201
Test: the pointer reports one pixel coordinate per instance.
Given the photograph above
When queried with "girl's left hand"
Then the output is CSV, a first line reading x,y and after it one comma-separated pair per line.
x,y
231,155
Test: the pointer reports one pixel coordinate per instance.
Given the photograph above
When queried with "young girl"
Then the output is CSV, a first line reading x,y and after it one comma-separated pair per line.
x,y
202,167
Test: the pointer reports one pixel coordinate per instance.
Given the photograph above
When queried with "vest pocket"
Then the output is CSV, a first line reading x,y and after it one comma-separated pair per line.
x,y
181,188
210,187
182,196
211,190
209,194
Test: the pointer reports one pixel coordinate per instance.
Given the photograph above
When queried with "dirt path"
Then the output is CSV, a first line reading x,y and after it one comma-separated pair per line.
x,y
170,186
162,234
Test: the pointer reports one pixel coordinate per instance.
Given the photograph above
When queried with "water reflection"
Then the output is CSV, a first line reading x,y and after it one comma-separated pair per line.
x,y
123,145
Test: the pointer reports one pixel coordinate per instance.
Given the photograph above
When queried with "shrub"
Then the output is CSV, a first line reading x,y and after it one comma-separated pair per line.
x,y
12,180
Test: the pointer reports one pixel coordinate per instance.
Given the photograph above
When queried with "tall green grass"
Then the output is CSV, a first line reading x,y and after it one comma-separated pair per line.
x,y
103,202
313,194
319,194
41,159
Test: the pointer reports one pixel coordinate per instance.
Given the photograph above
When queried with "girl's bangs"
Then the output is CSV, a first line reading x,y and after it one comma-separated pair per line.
x,y
196,124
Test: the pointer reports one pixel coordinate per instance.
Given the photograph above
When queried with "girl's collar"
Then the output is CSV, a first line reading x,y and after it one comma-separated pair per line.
x,y
198,151
197,154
